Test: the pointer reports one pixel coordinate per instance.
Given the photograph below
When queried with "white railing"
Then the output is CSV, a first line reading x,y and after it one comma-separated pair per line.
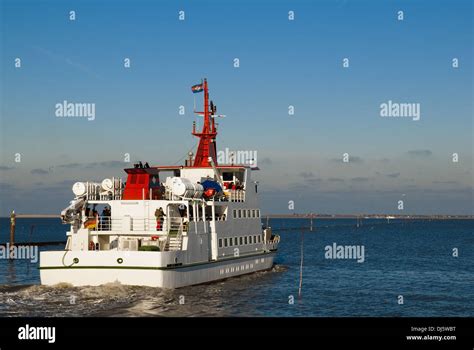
x,y
272,244
107,223
233,196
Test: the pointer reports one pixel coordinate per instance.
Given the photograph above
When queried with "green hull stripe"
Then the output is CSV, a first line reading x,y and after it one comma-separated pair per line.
x,y
261,253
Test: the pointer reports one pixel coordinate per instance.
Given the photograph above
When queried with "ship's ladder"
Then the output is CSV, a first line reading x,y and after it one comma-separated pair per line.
x,y
175,236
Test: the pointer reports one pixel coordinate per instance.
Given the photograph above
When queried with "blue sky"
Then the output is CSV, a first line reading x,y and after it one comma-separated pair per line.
x,y
282,63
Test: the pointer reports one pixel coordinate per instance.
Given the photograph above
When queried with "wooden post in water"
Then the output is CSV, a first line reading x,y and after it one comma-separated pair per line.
x,y
12,229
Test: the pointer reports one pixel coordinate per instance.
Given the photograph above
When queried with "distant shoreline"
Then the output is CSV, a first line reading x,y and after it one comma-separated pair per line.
x,y
367,216
306,216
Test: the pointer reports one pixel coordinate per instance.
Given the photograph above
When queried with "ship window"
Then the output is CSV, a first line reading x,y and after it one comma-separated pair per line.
x,y
254,214
259,239
245,240
235,213
220,242
236,241
241,239
258,213
133,179
225,242
239,213
244,212
141,179
228,176
249,213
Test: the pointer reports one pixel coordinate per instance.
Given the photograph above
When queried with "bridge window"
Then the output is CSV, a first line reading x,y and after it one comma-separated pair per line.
x,y
226,176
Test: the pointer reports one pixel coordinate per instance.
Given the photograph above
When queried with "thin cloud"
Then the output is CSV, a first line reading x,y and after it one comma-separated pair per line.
x,y
104,164
66,60
107,164
306,174
394,175
265,161
335,179
360,179
420,153
352,159
39,172
65,183
5,168
312,181
70,165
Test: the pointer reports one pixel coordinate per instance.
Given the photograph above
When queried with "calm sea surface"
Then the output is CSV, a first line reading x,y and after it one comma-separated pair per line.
x,y
413,259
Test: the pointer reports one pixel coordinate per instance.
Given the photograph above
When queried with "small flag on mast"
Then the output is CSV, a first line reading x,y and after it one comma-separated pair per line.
x,y
197,88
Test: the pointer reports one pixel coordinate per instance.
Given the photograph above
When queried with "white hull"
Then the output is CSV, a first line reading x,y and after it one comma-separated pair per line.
x,y
86,272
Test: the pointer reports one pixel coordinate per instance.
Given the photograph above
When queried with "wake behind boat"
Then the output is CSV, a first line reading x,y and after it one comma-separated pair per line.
x,y
166,226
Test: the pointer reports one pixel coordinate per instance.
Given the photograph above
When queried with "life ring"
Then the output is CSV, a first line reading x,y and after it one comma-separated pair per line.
x,y
91,245
210,192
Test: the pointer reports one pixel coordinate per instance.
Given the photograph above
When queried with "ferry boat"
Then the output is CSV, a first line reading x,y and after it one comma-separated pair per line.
x,y
165,226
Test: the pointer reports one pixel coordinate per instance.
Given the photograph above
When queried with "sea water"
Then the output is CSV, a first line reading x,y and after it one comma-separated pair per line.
x,y
410,268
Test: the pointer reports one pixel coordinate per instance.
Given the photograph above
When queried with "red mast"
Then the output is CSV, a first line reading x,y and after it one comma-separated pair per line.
x,y
207,142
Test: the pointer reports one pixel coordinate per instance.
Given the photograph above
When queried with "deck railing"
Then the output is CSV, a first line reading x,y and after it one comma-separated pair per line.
x,y
233,196
107,223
